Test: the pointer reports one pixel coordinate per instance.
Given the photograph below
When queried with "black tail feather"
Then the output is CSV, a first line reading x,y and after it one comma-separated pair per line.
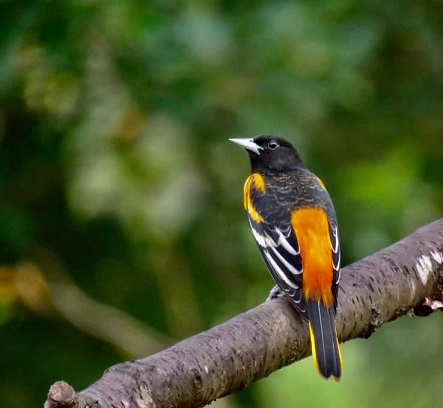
x,y
324,342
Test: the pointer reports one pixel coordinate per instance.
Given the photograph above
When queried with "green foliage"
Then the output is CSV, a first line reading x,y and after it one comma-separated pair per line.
x,y
117,177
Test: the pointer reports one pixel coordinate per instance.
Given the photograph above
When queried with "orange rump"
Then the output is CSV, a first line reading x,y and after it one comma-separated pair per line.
x,y
311,227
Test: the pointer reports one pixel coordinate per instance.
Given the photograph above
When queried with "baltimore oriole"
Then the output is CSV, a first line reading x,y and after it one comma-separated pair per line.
x,y
293,221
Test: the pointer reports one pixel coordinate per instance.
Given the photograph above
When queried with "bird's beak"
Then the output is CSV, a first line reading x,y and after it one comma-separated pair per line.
x,y
248,144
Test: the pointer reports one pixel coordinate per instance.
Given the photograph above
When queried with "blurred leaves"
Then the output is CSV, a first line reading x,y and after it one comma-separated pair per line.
x,y
113,159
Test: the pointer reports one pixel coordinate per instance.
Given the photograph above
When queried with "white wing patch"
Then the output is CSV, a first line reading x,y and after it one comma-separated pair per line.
x,y
336,264
279,254
336,255
291,268
264,240
282,240
278,270
335,244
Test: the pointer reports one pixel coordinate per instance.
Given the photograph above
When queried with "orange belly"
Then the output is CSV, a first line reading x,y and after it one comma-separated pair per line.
x,y
312,230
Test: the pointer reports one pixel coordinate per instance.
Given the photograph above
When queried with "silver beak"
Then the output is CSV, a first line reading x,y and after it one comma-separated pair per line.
x,y
248,144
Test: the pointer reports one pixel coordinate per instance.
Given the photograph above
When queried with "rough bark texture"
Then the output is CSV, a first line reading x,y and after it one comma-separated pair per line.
x,y
403,278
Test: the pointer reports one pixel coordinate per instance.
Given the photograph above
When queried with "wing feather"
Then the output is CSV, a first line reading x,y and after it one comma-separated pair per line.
x,y
280,251
335,246
336,257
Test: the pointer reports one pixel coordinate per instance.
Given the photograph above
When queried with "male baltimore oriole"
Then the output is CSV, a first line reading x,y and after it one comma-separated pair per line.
x,y
293,221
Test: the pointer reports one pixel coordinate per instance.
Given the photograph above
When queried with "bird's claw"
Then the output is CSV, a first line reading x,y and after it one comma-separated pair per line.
x,y
275,292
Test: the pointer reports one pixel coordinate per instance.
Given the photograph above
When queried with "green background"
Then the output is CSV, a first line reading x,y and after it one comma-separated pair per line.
x,y
121,220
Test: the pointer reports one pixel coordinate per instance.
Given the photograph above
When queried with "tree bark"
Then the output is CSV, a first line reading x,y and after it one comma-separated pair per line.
x,y
406,277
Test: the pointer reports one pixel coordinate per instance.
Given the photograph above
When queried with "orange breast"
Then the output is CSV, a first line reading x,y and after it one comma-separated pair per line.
x,y
312,230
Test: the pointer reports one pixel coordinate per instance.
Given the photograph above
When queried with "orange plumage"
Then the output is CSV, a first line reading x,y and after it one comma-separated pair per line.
x,y
312,230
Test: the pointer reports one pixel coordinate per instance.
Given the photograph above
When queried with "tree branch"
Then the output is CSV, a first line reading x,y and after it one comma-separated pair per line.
x,y
403,278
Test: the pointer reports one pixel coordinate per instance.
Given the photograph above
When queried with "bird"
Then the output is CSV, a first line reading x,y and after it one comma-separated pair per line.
x,y
294,224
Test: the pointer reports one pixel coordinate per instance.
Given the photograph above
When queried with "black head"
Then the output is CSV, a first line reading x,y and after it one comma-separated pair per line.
x,y
270,152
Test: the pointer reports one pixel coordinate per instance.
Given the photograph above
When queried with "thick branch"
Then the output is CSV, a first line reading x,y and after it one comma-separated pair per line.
x,y
228,357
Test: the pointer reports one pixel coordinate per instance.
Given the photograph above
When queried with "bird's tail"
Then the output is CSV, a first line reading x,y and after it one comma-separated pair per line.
x,y
325,348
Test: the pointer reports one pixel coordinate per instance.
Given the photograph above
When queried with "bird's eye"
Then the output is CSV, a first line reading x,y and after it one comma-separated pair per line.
x,y
273,144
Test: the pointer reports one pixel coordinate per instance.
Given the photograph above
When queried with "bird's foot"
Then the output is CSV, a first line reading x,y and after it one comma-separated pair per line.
x,y
275,292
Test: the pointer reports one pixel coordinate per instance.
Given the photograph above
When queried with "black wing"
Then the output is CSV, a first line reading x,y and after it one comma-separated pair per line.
x,y
280,251
335,246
